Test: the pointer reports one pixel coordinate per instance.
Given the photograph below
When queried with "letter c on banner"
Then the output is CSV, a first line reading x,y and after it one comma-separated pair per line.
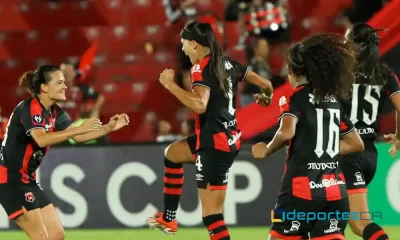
x,y
123,172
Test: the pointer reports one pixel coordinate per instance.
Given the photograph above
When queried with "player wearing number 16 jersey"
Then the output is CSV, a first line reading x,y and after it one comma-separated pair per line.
x,y
316,129
375,83
217,141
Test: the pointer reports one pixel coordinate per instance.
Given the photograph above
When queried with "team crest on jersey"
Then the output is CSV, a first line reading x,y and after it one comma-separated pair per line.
x,y
37,118
29,197
196,68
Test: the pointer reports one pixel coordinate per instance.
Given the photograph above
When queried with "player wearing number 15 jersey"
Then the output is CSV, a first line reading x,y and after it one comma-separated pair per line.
x,y
375,83
217,141
316,129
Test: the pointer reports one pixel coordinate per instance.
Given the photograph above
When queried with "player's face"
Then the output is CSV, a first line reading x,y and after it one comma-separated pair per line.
x,y
69,72
56,87
189,48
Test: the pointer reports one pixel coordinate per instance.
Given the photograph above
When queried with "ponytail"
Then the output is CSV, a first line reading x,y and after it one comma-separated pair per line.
x,y
26,81
218,63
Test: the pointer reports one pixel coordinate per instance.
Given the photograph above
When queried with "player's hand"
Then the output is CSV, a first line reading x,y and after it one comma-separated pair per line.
x,y
262,99
259,150
118,121
167,78
392,139
90,125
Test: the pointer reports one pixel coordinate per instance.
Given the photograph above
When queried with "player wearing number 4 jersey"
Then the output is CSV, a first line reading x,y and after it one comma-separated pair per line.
x,y
217,140
374,84
36,124
316,129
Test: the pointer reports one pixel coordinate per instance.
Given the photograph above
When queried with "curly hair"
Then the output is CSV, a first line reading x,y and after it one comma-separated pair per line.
x,y
369,69
327,62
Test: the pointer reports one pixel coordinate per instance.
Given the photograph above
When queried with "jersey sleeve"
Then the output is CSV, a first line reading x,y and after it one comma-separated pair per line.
x,y
392,86
241,70
88,92
63,121
346,125
32,116
290,106
200,77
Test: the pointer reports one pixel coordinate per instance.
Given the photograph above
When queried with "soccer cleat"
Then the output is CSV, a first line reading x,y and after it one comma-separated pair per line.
x,y
157,222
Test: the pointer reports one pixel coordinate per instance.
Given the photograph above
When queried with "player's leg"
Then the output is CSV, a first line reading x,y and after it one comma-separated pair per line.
x,y
22,206
31,222
359,170
333,227
176,154
52,222
212,168
54,228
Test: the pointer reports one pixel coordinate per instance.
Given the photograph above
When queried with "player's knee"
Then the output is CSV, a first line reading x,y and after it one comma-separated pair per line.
x,y
57,234
39,234
357,226
172,152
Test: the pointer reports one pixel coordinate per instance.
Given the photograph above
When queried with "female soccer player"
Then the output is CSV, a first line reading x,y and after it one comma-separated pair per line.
x,y
313,123
217,140
375,83
36,124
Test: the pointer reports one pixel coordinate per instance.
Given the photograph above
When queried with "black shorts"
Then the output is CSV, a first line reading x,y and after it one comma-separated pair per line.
x,y
192,141
212,167
14,196
359,168
324,225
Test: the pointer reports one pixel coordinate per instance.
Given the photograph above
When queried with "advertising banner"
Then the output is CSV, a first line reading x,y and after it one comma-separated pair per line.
x,y
384,191
117,187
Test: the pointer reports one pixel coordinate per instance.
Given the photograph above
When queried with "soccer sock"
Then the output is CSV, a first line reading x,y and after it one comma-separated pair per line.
x,y
374,232
173,182
216,227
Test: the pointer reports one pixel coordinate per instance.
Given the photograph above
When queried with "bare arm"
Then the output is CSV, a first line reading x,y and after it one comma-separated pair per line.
x,y
396,103
196,100
97,107
44,139
103,130
264,84
284,134
351,142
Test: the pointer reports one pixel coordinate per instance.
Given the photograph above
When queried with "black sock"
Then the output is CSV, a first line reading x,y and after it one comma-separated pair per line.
x,y
173,182
374,232
216,227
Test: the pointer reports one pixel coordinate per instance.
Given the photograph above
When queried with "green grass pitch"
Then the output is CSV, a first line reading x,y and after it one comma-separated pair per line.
x,y
183,234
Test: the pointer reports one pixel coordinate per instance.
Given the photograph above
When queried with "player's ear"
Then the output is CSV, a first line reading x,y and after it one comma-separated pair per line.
x,y
44,88
194,44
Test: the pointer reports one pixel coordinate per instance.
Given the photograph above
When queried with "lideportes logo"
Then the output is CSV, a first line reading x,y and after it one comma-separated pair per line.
x,y
273,212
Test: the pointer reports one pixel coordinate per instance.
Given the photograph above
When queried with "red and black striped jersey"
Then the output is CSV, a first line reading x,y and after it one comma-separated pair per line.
x,y
20,155
217,127
365,106
312,170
